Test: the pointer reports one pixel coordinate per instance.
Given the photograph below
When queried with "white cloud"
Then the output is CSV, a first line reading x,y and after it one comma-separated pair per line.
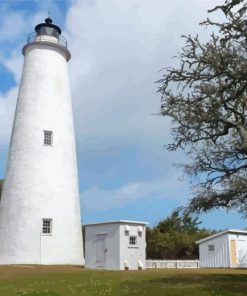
x,y
7,109
118,48
14,65
12,24
169,188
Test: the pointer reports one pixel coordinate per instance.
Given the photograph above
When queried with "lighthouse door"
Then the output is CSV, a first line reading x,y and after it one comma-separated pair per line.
x,y
100,250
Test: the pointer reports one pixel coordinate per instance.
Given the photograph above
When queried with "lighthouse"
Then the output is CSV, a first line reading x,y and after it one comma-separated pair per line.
x,y
40,220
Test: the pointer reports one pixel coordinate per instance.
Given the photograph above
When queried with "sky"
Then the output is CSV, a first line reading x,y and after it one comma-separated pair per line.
x,y
118,48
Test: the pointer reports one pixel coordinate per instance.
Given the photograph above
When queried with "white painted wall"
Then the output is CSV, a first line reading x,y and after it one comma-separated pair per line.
x,y
119,254
41,181
112,245
221,256
134,255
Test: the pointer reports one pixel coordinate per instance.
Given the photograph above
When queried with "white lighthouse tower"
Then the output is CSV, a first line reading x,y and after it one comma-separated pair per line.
x,y
40,209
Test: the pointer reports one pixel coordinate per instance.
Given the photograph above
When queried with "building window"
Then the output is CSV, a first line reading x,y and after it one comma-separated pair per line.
x,y
210,248
132,240
48,137
46,226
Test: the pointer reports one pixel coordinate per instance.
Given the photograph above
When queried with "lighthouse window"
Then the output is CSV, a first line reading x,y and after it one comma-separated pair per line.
x,y
48,138
46,226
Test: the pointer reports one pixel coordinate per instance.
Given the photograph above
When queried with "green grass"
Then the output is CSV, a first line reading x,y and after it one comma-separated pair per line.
x,y
68,281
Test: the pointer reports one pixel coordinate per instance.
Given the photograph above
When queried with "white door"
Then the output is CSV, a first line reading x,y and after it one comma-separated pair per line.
x,y
242,253
100,250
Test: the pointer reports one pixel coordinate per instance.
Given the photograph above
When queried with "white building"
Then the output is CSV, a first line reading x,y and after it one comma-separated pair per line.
x,y
116,245
225,249
40,219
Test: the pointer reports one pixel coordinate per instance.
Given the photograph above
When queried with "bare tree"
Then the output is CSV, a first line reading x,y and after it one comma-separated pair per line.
x,y
206,97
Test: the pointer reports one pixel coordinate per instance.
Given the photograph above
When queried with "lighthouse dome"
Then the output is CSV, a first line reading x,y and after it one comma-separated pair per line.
x,y
48,28
48,34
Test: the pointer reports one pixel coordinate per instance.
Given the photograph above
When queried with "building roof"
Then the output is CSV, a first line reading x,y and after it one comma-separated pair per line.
x,y
234,231
117,222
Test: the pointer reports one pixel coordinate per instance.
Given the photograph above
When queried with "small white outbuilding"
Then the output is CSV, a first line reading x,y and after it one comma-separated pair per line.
x,y
115,245
224,249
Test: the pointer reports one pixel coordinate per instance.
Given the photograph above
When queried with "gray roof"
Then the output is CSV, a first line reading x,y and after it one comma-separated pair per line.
x,y
117,222
234,231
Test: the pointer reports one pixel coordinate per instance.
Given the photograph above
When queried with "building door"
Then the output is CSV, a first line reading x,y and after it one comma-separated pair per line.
x,y
242,252
100,250
233,252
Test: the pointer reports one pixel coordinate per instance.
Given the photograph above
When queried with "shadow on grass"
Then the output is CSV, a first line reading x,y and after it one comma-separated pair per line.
x,y
204,279
47,293
216,284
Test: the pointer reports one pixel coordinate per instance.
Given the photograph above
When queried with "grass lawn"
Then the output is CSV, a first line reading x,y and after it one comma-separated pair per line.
x,y
69,280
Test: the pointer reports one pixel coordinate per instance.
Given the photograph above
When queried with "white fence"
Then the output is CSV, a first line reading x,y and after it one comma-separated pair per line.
x,y
172,264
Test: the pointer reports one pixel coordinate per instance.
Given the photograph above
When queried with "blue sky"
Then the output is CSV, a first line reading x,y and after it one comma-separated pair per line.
x,y
118,48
